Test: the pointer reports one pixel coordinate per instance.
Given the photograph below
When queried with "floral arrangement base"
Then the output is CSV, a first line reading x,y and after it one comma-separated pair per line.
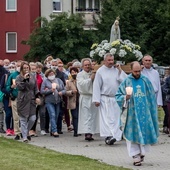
x,y
125,51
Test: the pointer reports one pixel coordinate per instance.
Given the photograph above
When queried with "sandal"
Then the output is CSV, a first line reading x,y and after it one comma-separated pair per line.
x,y
55,134
25,140
70,129
137,160
142,158
137,163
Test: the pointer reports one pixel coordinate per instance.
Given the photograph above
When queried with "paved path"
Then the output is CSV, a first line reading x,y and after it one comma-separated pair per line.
x,y
156,159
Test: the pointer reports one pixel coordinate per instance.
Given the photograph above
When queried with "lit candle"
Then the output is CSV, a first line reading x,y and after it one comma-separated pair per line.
x,y
14,81
54,85
129,90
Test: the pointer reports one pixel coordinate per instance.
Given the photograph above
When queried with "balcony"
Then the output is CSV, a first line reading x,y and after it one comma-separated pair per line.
x,y
84,10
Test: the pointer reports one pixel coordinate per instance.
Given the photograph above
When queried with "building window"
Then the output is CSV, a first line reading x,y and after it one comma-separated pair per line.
x,y
11,5
88,5
57,5
96,5
82,4
11,42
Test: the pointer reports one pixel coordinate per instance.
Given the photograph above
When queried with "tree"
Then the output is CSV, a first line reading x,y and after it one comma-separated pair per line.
x,y
63,37
145,23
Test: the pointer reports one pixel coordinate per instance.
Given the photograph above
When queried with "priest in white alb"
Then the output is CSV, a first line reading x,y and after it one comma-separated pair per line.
x,y
88,120
106,83
153,76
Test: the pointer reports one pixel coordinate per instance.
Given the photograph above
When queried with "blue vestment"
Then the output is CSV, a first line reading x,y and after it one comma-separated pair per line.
x,y
141,124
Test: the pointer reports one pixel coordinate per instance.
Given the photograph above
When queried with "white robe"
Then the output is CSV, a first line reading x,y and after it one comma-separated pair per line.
x,y
88,120
135,149
105,86
153,76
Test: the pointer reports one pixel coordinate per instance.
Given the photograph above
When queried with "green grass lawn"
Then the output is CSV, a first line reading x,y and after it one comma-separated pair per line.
x,y
16,155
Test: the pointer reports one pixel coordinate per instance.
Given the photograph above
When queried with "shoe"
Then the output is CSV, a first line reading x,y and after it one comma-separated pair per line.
x,y
2,130
76,135
55,134
137,160
12,132
47,131
142,158
137,163
110,140
17,137
43,132
8,132
107,139
60,132
69,129
64,122
25,140
29,138
32,133
165,130
89,137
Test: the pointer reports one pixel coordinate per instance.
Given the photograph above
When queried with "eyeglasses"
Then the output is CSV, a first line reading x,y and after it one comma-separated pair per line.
x,y
147,60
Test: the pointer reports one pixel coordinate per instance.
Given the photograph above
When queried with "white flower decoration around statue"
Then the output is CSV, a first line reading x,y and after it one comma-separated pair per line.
x,y
119,48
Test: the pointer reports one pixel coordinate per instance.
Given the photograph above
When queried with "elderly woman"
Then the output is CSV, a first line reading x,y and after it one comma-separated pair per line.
x,y
53,89
26,99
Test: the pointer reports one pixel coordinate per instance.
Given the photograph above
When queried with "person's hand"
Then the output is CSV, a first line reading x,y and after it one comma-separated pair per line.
x,y
128,97
53,90
37,101
74,91
92,76
60,93
13,86
26,76
118,67
97,104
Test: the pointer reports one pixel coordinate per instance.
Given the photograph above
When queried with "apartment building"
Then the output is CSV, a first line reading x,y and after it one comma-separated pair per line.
x,y
90,9
18,16
17,22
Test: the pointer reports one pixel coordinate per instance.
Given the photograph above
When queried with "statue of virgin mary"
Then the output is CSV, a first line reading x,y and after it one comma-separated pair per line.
x,y
115,31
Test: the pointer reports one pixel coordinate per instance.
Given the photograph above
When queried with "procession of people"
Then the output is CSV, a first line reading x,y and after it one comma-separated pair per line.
x,y
105,101
96,100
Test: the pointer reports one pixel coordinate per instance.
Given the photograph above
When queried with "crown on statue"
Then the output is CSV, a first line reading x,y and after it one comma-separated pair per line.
x,y
118,18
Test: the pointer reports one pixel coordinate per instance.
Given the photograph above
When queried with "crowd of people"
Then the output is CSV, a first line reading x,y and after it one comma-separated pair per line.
x,y
87,99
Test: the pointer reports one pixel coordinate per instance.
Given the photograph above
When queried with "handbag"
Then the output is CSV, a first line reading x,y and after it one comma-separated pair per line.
x,y
1,96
